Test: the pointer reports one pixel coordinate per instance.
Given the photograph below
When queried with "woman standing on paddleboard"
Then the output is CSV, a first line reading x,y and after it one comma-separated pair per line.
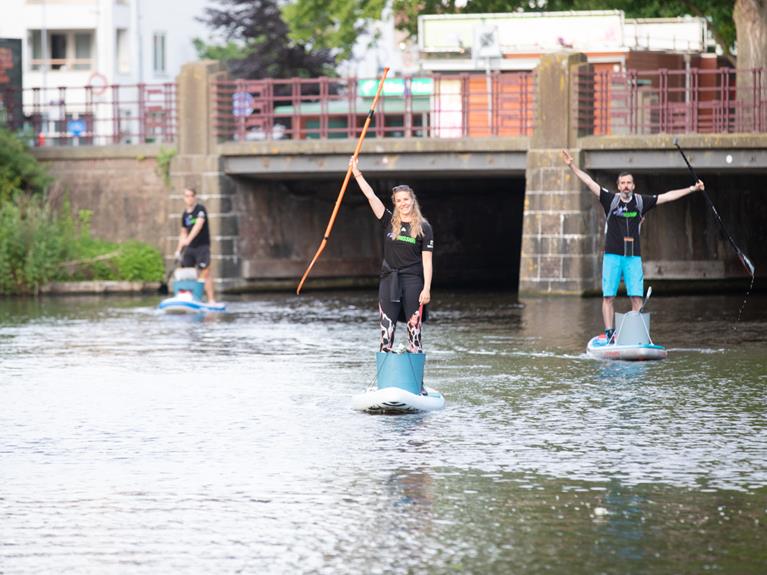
x,y
406,271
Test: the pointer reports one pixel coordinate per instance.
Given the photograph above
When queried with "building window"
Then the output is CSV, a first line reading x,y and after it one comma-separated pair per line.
x,y
83,51
58,46
122,52
65,50
158,52
35,49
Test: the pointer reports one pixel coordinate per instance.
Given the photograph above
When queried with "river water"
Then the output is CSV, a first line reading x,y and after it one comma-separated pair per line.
x,y
132,442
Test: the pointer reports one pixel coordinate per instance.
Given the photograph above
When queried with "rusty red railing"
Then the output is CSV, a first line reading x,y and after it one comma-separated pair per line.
x,y
113,114
705,101
442,106
605,102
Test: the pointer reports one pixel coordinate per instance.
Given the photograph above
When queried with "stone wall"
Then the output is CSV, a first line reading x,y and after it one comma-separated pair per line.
x,y
561,231
121,185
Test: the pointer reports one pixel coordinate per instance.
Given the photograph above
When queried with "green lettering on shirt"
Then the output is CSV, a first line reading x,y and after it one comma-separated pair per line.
x,y
630,214
407,239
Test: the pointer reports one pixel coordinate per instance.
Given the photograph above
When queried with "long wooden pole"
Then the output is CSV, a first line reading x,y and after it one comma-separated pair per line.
x,y
332,221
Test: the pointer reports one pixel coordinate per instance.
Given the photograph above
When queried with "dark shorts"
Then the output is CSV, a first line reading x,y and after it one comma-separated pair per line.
x,y
198,256
408,290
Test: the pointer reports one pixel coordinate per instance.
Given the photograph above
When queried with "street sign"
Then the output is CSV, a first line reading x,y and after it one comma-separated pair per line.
x,y
76,127
242,104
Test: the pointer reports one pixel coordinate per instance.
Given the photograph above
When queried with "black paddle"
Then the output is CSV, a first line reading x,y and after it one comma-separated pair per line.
x,y
164,285
743,257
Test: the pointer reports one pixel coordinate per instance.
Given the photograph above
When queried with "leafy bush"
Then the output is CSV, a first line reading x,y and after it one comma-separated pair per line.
x,y
19,170
32,243
94,259
140,262
39,245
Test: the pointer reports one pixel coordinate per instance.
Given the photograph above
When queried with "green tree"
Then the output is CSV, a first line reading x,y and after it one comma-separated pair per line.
x,y
332,25
256,43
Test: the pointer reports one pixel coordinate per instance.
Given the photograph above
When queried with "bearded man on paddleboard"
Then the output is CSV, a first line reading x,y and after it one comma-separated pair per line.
x,y
624,211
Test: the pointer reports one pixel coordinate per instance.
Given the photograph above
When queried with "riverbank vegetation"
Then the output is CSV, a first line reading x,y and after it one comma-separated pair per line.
x,y
40,244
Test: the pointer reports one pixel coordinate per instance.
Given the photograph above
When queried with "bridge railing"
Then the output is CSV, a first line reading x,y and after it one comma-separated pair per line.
x,y
94,115
605,102
704,101
434,106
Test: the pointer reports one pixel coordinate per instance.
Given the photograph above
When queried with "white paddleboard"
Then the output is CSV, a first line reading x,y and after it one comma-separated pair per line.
x,y
397,400
597,347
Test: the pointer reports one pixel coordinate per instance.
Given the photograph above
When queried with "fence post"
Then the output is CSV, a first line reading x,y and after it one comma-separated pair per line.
x,y
141,88
197,106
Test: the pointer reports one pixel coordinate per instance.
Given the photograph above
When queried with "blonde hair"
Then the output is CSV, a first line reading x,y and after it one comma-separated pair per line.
x,y
416,226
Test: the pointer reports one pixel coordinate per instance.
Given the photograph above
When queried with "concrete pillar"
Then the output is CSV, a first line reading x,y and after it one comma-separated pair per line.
x,y
198,165
560,236
196,106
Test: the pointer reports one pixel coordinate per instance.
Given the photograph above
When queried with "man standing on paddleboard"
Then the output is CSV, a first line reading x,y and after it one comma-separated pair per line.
x,y
624,212
194,240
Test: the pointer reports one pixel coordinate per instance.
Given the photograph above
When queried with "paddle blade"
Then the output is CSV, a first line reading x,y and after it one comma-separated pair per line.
x,y
747,263
311,265
646,299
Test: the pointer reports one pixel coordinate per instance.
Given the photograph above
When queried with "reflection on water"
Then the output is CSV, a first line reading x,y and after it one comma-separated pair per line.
x,y
142,443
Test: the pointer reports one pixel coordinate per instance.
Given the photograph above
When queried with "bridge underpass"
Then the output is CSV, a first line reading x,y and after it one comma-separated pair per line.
x,y
480,204
474,204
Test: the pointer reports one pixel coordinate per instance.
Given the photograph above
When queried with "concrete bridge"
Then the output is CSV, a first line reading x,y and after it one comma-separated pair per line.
x,y
506,211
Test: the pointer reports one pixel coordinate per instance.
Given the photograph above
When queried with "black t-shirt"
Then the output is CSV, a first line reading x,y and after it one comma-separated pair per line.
x,y
624,223
188,219
404,251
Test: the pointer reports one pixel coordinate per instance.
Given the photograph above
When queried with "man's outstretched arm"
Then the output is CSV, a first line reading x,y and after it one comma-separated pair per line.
x,y
672,195
582,176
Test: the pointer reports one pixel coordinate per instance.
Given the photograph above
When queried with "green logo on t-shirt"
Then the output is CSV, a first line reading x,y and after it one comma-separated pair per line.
x,y
630,214
407,239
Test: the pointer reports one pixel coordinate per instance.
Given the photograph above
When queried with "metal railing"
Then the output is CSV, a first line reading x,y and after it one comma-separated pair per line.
x,y
437,106
112,114
701,101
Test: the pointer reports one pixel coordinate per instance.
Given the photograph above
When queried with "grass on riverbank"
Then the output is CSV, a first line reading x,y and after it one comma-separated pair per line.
x,y
39,245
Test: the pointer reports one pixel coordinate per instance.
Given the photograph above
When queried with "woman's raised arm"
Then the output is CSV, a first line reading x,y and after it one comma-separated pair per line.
x,y
375,203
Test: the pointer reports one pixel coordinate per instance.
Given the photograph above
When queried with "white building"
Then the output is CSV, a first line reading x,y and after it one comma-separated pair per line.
x,y
122,41
74,44
515,41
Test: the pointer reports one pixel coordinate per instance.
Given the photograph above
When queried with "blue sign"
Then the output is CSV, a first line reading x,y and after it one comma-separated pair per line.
x,y
76,127
242,104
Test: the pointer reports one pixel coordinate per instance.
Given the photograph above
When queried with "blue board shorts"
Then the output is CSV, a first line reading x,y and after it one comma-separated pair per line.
x,y
630,267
